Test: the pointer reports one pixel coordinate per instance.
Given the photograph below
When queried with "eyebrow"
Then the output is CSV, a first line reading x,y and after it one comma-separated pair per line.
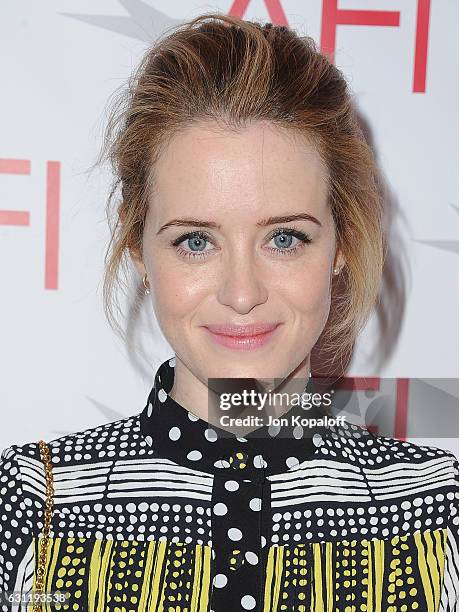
x,y
187,222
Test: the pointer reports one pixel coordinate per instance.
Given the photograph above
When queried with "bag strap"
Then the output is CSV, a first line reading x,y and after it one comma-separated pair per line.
x,y
47,514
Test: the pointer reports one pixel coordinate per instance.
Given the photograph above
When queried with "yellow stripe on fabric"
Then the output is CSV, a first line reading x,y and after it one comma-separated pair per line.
x,y
94,575
160,559
104,579
98,569
370,592
329,576
273,570
441,536
196,590
206,578
268,579
378,565
422,543
431,573
279,574
433,565
318,601
145,590
312,580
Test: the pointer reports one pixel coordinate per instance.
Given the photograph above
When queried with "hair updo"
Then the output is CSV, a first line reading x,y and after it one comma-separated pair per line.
x,y
231,71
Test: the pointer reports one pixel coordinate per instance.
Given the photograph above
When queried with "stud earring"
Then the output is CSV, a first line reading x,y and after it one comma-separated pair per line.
x,y
335,270
147,288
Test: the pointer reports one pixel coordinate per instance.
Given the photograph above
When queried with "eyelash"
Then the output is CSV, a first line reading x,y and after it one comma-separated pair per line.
x,y
289,231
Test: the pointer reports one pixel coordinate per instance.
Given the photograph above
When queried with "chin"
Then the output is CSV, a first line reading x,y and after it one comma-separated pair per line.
x,y
254,367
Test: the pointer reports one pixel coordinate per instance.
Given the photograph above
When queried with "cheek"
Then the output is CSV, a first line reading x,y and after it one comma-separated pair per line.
x,y
175,294
309,304
308,294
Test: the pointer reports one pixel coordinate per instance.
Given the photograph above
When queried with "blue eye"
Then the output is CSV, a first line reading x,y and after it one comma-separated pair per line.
x,y
195,241
283,237
198,242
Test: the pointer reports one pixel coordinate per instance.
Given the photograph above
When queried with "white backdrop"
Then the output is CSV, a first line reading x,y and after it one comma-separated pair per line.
x,y
62,369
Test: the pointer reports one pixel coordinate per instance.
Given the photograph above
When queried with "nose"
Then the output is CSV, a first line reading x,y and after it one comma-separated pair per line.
x,y
241,285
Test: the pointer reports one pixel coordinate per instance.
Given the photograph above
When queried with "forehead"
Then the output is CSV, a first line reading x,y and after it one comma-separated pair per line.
x,y
207,168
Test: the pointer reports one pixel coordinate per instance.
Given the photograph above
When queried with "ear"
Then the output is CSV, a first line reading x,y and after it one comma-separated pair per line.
x,y
339,261
138,262
136,257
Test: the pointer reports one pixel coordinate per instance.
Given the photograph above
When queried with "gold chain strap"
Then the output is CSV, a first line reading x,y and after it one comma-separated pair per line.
x,y
48,511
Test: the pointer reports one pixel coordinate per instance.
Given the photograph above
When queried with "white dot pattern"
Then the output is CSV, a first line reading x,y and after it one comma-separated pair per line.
x,y
166,475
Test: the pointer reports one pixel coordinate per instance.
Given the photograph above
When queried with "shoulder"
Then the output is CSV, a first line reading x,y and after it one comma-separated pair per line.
x,y
18,505
106,442
120,439
388,455
412,467
397,474
18,468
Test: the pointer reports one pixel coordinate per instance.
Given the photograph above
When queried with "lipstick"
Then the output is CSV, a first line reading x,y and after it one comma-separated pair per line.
x,y
242,337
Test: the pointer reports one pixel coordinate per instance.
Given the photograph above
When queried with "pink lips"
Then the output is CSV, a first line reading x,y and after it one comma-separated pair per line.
x,y
242,337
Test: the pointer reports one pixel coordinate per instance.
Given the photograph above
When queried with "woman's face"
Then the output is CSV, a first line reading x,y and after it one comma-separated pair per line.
x,y
232,188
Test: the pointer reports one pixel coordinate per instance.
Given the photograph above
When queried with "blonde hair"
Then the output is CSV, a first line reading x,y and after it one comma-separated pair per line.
x,y
221,68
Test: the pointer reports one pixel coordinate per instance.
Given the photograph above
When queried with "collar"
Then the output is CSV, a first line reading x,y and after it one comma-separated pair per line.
x,y
177,434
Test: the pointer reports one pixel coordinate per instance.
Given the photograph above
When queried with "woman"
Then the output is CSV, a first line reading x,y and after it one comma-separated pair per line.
x,y
247,192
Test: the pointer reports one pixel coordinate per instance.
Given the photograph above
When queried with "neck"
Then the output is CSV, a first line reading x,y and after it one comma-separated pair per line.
x,y
197,397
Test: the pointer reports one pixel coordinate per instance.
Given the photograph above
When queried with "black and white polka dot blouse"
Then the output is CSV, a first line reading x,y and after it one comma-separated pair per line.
x,y
161,512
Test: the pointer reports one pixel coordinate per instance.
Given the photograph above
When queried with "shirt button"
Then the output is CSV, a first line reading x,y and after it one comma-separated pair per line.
x,y
236,560
238,461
